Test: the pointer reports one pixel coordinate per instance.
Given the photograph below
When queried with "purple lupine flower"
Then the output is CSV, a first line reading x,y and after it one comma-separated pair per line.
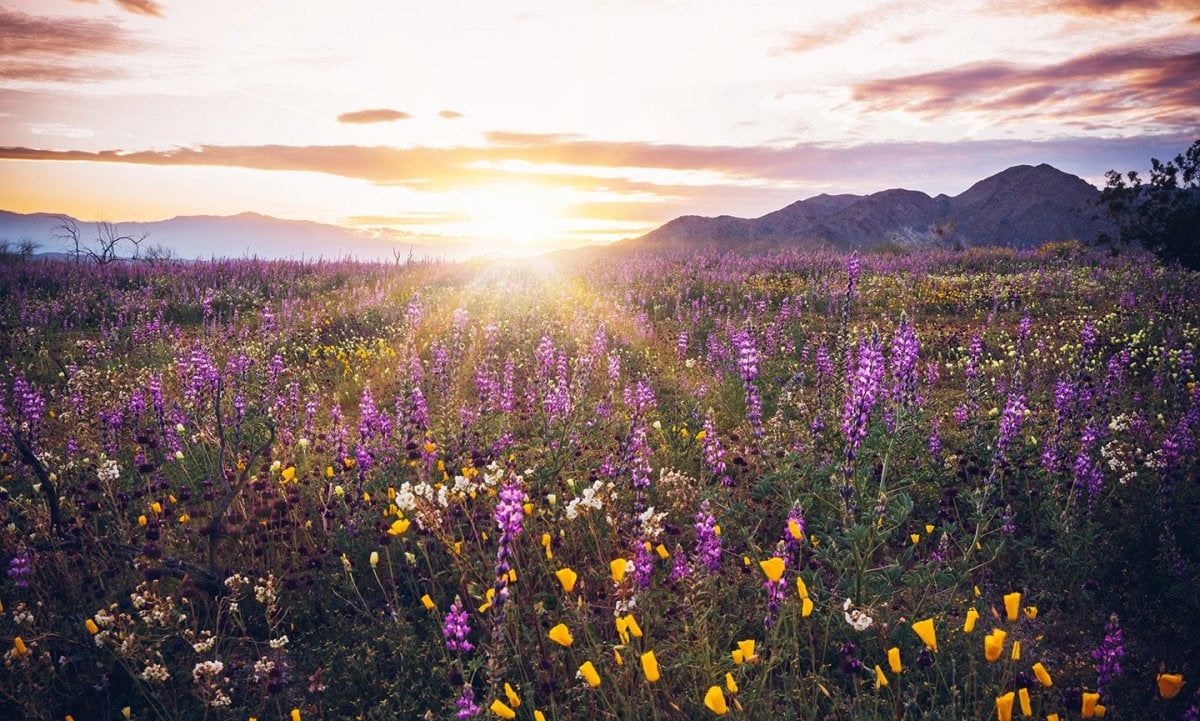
x,y
509,515
1088,474
861,397
748,368
1010,422
905,348
1109,654
467,708
714,454
935,441
680,568
456,628
708,543
19,569
643,565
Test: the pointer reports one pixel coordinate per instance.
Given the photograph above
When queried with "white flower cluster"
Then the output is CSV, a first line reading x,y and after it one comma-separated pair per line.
x,y
264,591
278,643
109,470
205,671
206,643
592,498
858,620
262,668
651,523
155,672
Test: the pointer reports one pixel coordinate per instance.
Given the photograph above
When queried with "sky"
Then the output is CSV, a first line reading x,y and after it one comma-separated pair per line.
x,y
520,127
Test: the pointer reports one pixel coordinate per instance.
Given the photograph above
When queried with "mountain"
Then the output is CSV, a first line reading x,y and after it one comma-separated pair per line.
x,y
1022,207
234,236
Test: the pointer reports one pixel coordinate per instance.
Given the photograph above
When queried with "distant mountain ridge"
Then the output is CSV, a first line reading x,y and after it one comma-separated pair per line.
x,y
233,236
1023,206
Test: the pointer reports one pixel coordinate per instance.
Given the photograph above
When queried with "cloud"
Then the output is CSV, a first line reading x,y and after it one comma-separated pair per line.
x,y
378,115
141,7
1113,88
50,49
412,218
449,114
1120,7
738,172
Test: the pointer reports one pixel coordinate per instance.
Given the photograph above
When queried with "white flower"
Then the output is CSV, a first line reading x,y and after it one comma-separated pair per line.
x,y
858,620
280,642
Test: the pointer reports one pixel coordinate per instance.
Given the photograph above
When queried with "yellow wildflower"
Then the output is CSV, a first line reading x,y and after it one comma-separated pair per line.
x,y
19,647
567,578
427,602
1012,604
91,627
894,660
589,674
650,666
1089,704
801,587
972,617
993,644
561,635
502,710
1042,675
715,701
634,629
1026,706
288,475
880,678
927,633
773,568
399,526
730,683
1004,706
806,607
617,567
513,699
1169,684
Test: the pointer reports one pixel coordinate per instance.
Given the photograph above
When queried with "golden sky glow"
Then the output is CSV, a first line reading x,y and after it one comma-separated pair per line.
x,y
520,127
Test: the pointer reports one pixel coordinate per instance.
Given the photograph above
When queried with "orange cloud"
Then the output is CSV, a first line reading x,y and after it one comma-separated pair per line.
x,y
1105,89
141,7
378,115
449,114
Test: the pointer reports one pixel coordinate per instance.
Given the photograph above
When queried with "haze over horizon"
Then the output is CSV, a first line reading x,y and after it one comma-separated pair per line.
x,y
532,127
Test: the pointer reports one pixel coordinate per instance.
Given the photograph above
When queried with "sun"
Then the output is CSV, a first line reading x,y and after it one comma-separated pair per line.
x,y
518,219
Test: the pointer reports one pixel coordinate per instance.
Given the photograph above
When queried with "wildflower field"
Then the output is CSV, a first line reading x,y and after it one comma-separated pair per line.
x,y
808,486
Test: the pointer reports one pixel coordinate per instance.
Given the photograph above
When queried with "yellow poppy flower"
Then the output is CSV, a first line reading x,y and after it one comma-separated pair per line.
x,y
715,701
738,656
1026,706
730,683
295,714
1100,710
746,647
927,633
650,666
289,474
399,526
502,710
1031,612
513,699
94,629
894,660
142,520
617,567
427,602
634,629
773,568
589,674
880,678
1016,651
794,530
622,625
561,635
1089,704
662,551
19,647
1004,706
1012,604
546,545
567,577
972,617
1042,675
1169,684
806,607
539,716
801,587
993,644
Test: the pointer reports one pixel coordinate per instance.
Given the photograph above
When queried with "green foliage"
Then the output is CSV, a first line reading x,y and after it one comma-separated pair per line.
x,y
1162,215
